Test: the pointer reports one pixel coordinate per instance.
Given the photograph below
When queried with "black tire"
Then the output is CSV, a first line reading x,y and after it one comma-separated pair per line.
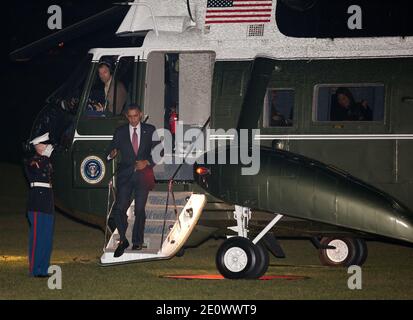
x,y
362,252
262,262
349,252
242,249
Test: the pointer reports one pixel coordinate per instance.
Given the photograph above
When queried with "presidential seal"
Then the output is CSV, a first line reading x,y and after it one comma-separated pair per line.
x,y
92,169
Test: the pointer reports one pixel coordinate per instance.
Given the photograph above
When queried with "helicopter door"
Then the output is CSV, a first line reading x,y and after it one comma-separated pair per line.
x,y
112,86
195,70
177,99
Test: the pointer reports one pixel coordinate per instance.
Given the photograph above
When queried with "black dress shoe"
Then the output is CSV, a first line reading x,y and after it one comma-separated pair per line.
x,y
137,247
121,248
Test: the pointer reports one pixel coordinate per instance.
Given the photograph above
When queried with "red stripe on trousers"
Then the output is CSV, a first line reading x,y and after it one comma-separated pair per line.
x,y
34,240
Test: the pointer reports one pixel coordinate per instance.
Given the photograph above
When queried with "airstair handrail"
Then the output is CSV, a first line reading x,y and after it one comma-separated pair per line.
x,y
111,191
170,183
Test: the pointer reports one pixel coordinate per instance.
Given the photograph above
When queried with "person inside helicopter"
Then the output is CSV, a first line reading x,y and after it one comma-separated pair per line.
x,y
107,97
346,108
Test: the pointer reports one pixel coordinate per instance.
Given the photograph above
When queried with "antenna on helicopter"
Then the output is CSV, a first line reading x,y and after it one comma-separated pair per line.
x,y
189,10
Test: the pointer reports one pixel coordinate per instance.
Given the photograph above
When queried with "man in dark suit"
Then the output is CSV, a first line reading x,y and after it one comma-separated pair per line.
x,y
134,174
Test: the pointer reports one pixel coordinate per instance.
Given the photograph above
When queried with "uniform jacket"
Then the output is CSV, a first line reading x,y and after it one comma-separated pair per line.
x,y
39,169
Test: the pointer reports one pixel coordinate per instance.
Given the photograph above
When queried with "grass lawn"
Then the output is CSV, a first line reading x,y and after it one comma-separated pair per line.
x,y
387,273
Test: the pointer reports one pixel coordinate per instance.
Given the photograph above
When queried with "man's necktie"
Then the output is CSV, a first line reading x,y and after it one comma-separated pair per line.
x,y
135,143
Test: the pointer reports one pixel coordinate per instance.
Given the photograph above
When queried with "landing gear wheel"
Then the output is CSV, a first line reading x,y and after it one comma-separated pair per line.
x,y
236,258
344,254
362,252
262,262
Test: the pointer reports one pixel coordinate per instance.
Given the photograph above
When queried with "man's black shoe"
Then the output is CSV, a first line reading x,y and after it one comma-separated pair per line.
x,y
137,247
121,248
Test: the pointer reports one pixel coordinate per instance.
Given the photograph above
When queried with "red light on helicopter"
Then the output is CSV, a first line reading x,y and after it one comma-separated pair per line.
x,y
202,171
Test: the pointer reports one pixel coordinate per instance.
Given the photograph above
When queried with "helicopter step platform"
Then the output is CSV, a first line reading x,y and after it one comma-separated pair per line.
x,y
175,232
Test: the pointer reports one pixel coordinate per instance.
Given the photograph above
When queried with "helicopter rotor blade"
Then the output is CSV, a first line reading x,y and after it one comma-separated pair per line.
x,y
86,26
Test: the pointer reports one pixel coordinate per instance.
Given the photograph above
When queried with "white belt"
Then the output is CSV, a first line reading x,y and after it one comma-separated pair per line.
x,y
40,184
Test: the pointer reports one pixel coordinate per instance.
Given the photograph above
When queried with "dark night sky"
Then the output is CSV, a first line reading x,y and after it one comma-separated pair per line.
x,y
26,85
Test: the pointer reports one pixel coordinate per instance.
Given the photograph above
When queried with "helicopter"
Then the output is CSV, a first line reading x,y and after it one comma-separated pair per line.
x,y
332,107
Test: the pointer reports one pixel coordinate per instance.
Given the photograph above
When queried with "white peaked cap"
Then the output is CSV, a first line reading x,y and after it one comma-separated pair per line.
x,y
40,139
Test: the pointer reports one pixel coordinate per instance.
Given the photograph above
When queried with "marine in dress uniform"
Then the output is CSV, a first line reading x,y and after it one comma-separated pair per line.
x,y
40,206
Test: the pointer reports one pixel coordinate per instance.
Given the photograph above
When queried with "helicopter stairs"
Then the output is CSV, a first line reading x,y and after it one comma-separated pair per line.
x,y
165,234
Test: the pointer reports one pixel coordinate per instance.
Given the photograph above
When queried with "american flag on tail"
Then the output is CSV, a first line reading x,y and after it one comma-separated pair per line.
x,y
238,11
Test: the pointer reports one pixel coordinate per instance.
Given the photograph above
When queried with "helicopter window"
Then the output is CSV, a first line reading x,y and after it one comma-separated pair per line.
x,y
59,114
122,88
279,107
354,102
111,88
